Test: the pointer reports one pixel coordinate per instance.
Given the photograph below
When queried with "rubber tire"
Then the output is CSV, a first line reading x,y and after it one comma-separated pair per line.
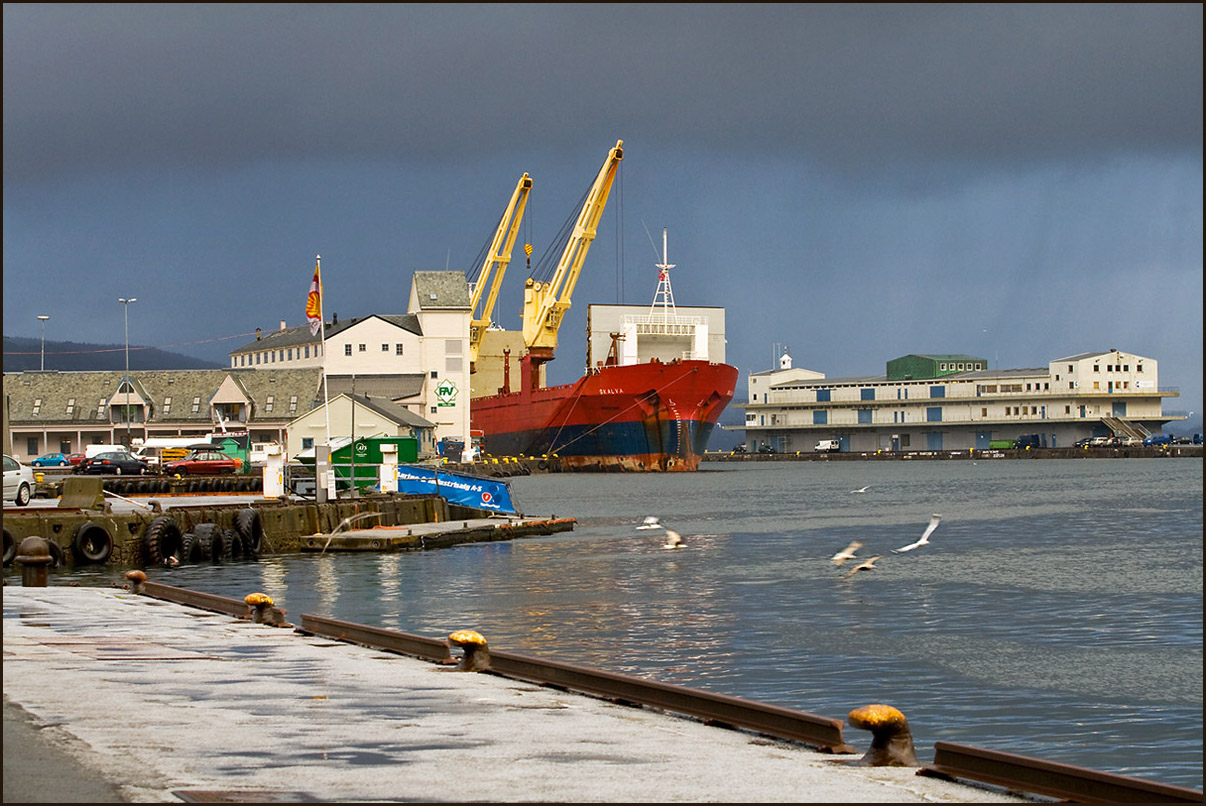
x,y
188,542
24,494
57,554
249,526
232,544
162,539
10,547
92,544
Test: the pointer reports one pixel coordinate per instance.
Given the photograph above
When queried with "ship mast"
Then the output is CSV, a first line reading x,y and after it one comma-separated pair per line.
x,y
664,295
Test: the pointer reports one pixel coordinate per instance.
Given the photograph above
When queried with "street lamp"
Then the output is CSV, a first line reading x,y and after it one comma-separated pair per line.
x,y
42,318
126,303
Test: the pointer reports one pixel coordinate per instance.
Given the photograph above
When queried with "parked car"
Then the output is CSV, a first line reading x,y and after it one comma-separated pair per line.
x,y
1100,442
52,460
75,458
117,463
19,482
202,463
1084,443
1157,440
1027,441
827,446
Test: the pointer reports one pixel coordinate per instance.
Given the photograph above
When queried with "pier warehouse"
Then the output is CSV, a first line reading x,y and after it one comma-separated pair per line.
x,y
955,402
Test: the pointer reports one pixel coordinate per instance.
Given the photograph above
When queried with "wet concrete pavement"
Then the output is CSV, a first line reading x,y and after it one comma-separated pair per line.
x,y
150,701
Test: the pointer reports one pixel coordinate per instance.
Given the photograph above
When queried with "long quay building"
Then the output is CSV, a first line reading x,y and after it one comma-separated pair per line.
x,y
955,402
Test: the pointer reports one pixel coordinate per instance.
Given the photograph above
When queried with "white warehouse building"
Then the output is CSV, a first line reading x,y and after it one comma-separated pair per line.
x,y
955,402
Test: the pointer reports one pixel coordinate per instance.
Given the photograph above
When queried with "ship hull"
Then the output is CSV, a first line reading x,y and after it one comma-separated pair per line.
x,y
643,417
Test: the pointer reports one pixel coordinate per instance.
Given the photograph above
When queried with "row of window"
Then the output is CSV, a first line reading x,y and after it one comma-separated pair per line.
x,y
223,408
286,354
347,349
933,414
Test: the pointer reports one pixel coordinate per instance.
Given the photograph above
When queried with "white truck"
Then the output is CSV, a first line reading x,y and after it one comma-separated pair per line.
x,y
827,446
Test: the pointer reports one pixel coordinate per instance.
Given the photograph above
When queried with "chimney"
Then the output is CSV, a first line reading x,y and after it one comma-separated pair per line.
x,y
258,333
282,324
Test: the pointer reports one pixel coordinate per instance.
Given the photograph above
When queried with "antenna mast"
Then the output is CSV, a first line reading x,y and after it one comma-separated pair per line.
x,y
664,295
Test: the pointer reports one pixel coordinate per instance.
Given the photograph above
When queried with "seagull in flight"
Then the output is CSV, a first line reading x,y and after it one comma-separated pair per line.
x,y
846,553
651,522
925,538
864,566
673,540
863,490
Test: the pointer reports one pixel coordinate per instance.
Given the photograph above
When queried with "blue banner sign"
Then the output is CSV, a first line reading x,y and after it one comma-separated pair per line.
x,y
457,488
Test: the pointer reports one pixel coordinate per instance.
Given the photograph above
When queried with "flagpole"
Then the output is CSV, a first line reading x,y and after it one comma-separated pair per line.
x,y
323,329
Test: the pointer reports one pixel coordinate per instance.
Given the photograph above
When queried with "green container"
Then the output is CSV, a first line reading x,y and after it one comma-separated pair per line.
x,y
365,454
1001,444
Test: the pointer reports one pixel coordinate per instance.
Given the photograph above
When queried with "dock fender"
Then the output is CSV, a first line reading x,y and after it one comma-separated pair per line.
x,y
249,526
92,543
10,547
163,539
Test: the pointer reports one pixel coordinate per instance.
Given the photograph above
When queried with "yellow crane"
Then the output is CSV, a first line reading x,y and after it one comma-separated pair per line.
x,y
495,264
544,304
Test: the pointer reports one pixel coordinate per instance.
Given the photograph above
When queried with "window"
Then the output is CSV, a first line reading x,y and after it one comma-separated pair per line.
x,y
1067,409
867,394
196,404
37,406
100,409
823,395
937,391
434,374
1096,368
362,348
1139,368
347,349
434,410
452,347
933,414
397,349
1071,368
293,403
71,405
307,353
864,416
307,443
820,417
167,405
385,348
983,412
31,446
269,403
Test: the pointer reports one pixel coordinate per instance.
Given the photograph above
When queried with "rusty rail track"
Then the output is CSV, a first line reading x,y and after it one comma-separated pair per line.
x,y
818,731
203,601
1076,784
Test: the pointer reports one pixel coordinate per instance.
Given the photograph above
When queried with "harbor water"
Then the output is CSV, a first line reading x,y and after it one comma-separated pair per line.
x,y
1056,611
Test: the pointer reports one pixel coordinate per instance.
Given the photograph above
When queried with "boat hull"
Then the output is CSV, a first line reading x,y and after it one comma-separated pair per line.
x,y
653,416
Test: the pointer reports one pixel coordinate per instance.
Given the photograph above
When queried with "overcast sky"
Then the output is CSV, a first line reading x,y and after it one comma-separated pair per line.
x,y
856,182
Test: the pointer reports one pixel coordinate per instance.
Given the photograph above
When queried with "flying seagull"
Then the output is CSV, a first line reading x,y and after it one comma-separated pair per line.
x,y
864,566
863,490
673,540
846,553
925,538
651,522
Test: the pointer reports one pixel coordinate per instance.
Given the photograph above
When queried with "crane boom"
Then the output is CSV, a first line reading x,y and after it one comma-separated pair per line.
x,y
544,304
496,263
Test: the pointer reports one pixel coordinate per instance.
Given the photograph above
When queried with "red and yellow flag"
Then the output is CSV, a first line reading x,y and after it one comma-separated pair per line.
x,y
314,301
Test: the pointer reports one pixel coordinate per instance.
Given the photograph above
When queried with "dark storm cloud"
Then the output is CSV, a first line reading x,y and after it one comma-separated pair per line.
x,y
92,88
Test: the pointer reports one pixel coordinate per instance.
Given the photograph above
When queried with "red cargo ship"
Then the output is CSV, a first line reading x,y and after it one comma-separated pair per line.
x,y
652,416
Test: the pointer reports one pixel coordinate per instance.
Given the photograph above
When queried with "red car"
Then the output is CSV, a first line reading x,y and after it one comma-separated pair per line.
x,y
203,463
75,458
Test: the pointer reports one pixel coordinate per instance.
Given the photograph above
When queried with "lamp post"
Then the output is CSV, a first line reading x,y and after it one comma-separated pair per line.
x,y
42,318
126,303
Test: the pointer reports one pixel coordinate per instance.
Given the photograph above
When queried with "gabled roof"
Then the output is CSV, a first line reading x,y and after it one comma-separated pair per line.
x,y
92,390
300,336
378,387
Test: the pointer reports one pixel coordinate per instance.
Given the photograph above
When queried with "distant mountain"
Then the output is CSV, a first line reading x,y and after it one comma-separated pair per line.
x,y
23,354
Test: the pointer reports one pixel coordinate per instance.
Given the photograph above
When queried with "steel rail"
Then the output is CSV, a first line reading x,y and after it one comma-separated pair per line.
x,y
205,601
1075,784
818,731
377,638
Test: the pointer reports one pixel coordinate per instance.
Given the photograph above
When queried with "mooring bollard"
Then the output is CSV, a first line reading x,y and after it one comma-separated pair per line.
x,y
477,654
891,740
262,610
136,579
34,557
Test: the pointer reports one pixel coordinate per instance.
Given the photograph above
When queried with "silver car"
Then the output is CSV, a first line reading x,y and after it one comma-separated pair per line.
x,y
19,482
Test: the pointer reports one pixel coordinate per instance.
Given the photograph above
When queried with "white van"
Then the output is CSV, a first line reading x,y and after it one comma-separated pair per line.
x,y
93,450
827,446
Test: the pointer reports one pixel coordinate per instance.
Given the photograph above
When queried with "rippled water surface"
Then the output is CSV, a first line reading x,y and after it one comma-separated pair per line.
x,y
1057,611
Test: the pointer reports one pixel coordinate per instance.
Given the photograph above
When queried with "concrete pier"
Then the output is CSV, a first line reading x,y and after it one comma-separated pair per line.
x,y
165,703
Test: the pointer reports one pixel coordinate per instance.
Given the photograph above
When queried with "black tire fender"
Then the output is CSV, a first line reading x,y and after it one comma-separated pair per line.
x,y
250,528
92,543
188,544
162,539
232,543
